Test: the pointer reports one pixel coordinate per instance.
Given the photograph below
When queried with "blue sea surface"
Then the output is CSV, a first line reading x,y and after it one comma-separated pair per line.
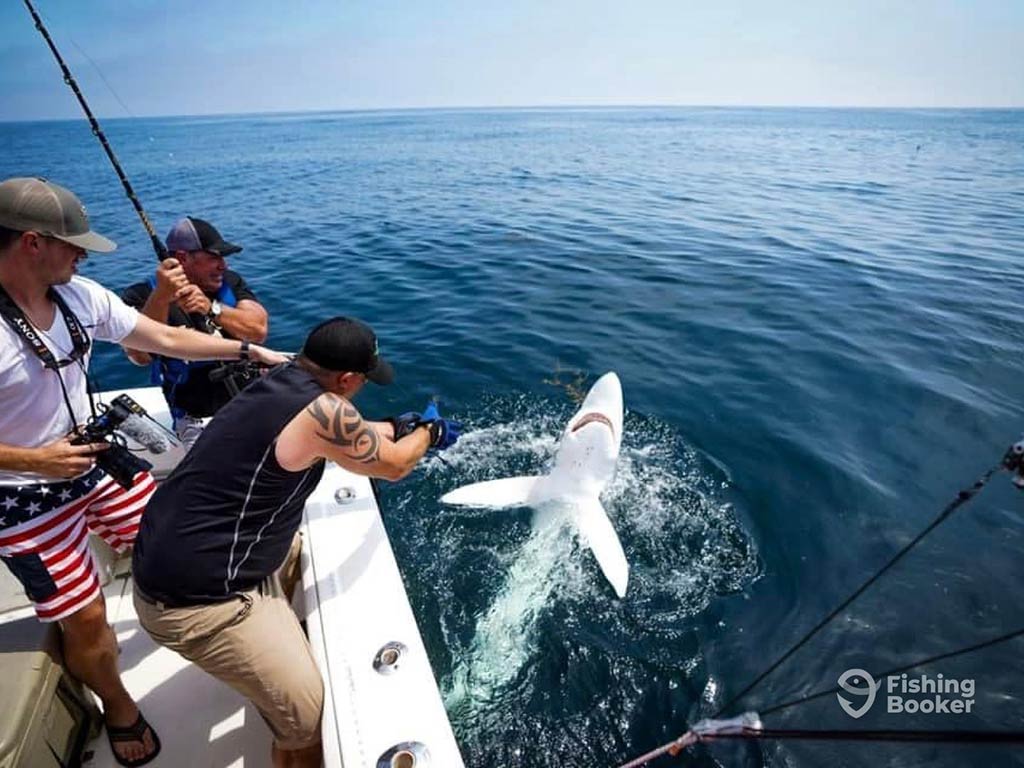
x,y
816,318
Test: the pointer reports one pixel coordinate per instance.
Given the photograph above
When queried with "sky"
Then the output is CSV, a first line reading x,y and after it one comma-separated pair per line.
x,y
191,57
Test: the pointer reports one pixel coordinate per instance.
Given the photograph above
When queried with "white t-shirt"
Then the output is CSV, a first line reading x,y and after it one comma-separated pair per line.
x,y
32,409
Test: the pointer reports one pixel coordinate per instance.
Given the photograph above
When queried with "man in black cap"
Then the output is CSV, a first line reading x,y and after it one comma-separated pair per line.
x,y
194,288
51,491
221,529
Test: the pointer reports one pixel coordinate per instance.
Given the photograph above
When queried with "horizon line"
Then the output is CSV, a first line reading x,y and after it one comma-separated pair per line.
x,y
523,108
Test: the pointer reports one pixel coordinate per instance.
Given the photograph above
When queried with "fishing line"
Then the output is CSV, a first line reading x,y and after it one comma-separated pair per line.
x,y
103,78
158,246
96,67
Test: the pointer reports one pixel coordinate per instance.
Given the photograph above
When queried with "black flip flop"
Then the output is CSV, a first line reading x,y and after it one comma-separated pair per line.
x,y
134,732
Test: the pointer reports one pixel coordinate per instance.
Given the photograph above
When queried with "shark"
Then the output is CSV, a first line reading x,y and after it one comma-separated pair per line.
x,y
584,463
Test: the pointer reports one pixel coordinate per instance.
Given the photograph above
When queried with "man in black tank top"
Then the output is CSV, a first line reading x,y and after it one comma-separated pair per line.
x,y
218,530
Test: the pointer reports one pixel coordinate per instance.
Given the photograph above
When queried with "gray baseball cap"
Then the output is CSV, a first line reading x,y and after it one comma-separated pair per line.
x,y
49,209
192,234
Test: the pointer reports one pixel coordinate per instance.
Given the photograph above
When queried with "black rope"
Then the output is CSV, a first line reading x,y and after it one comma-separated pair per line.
x,y
158,246
898,670
962,497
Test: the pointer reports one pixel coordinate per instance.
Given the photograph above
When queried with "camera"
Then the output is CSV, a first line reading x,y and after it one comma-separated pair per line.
x,y
236,376
117,461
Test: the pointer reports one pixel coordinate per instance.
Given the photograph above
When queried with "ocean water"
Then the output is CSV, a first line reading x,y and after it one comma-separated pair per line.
x,y
816,318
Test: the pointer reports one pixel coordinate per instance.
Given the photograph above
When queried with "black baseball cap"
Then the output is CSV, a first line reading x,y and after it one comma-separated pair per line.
x,y
346,344
192,234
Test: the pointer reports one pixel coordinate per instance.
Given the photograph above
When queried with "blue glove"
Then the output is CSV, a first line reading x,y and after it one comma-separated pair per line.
x,y
405,423
444,433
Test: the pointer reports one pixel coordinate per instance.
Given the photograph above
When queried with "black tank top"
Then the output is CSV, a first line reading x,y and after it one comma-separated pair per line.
x,y
224,519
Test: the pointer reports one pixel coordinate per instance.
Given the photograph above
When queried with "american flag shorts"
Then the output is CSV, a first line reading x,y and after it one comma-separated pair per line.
x,y
44,535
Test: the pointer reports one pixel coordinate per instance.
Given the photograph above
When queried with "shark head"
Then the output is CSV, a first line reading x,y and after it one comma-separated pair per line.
x,y
602,405
589,448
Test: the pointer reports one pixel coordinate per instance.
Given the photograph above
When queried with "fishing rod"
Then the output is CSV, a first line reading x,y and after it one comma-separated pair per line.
x,y
158,246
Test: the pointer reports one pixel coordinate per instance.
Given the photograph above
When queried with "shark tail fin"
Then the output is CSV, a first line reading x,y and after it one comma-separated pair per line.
x,y
597,531
507,492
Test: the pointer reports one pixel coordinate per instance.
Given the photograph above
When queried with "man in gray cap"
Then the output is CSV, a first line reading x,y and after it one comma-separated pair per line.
x,y
194,288
51,491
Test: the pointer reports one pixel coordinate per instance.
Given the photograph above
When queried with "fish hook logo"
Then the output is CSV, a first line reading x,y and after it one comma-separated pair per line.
x,y
847,681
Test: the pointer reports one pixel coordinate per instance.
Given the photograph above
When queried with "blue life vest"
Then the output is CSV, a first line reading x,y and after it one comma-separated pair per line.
x,y
169,372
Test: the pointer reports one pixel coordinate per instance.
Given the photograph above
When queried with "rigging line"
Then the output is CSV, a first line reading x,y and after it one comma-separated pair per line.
x,y
921,737
158,246
898,670
1013,461
748,726
941,736
962,497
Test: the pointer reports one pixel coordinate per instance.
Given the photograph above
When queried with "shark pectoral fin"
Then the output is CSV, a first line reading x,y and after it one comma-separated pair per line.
x,y
507,492
597,531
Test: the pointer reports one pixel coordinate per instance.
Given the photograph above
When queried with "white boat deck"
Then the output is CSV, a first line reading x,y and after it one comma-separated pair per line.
x,y
201,721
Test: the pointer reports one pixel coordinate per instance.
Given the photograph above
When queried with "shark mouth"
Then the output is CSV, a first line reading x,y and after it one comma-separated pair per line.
x,y
591,418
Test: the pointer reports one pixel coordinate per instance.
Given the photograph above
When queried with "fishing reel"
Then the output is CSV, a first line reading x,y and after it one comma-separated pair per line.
x,y
1013,462
236,376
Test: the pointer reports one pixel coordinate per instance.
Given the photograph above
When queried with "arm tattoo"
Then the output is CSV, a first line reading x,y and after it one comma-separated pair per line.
x,y
346,428
316,410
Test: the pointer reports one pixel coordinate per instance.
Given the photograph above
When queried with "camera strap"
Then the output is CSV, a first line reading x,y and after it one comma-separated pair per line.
x,y
19,322
16,318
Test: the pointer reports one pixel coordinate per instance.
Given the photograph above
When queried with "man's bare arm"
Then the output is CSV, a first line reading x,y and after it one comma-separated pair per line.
x,y
384,428
249,320
186,344
157,309
342,435
58,459
340,424
169,278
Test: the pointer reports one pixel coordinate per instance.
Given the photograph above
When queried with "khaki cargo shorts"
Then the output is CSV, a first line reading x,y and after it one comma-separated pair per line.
x,y
255,644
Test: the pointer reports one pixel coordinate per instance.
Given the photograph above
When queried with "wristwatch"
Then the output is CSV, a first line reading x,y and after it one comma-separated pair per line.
x,y
215,309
